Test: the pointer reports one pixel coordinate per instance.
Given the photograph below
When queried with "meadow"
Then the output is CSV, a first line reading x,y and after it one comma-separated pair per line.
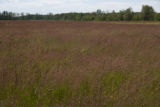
x,y
79,64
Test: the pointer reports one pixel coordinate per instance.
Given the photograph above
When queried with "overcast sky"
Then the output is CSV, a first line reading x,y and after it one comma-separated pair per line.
x,y
63,6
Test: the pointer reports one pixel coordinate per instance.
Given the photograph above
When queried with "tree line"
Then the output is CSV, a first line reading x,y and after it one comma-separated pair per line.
x,y
147,14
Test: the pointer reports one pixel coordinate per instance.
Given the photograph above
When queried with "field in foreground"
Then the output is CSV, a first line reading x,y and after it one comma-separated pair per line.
x,y
79,64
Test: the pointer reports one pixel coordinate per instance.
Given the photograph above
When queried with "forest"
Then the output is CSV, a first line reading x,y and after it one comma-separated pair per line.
x,y
147,13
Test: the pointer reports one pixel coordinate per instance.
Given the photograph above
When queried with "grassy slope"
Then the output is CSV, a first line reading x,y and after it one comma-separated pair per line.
x,y
45,63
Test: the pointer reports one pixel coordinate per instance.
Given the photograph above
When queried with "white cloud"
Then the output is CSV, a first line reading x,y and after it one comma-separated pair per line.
x,y
59,6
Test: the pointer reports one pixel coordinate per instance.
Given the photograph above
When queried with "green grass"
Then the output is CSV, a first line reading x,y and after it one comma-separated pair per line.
x,y
138,22
112,80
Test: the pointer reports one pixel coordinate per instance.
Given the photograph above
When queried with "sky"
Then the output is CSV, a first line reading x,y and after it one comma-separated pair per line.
x,y
64,6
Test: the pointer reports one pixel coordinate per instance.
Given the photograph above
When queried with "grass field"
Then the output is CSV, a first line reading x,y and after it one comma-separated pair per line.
x,y
138,22
79,64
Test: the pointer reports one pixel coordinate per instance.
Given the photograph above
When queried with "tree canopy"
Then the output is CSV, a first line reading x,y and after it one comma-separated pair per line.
x,y
147,13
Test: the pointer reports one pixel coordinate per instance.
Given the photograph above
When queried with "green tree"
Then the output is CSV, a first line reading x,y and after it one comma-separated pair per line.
x,y
99,11
121,15
136,16
147,12
157,17
128,14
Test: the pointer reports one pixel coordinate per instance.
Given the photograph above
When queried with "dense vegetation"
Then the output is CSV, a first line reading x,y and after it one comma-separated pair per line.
x,y
79,64
147,13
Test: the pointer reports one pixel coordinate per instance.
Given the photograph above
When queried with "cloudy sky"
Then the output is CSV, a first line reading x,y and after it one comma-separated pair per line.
x,y
63,6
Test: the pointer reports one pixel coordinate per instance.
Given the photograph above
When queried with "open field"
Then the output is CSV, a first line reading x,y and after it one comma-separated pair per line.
x,y
79,64
137,22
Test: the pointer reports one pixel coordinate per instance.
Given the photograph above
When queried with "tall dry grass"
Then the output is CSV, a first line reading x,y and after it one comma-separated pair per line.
x,y
97,64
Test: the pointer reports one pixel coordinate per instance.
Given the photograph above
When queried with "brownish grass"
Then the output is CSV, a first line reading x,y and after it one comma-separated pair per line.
x,y
79,64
